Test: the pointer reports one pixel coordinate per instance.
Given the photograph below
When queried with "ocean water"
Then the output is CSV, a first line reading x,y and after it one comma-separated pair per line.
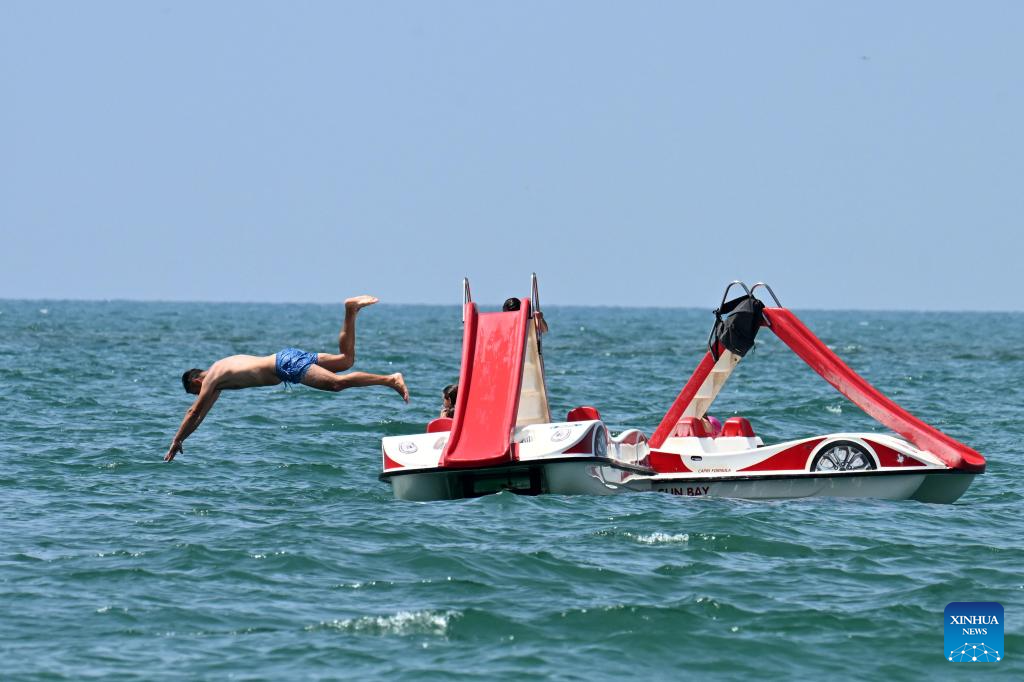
x,y
269,549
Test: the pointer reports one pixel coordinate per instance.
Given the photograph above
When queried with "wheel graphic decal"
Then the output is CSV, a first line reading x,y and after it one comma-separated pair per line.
x,y
843,456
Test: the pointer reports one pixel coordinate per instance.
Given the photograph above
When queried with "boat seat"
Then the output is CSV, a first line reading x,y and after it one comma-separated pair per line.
x,y
584,413
737,426
690,427
439,425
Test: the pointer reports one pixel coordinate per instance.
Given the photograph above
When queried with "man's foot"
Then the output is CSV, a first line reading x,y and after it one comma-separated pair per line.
x,y
360,302
398,383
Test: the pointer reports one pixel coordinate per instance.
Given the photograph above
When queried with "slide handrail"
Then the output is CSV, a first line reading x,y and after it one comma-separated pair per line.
x,y
467,297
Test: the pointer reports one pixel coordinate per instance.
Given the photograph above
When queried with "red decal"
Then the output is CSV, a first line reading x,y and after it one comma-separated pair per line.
x,y
888,457
791,458
584,447
666,462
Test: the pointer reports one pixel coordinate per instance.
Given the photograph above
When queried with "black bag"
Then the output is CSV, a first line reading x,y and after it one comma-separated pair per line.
x,y
737,331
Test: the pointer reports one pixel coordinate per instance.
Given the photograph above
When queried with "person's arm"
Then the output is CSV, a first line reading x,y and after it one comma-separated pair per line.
x,y
193,418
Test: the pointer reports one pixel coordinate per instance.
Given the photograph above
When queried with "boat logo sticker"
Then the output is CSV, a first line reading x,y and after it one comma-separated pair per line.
x,y
560,434
407,447
973,632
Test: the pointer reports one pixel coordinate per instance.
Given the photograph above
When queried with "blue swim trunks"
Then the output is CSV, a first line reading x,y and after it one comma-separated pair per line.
x,y
292,364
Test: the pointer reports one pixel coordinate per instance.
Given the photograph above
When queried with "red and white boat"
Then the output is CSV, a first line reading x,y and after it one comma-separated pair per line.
x,y
503,438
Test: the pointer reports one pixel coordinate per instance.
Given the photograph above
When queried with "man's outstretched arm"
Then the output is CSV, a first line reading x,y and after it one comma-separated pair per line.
x,y
193,418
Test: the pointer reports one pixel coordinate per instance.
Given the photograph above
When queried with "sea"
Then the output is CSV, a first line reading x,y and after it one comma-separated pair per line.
x,y
269,549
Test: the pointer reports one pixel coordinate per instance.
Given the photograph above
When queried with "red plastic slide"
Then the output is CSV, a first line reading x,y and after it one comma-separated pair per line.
x,y
493,350
811,350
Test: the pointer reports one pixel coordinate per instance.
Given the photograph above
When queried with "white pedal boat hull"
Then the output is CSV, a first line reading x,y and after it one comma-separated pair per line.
x,y
591,463
568,458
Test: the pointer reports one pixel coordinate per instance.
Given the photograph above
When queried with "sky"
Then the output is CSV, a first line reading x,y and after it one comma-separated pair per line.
x,y
854,155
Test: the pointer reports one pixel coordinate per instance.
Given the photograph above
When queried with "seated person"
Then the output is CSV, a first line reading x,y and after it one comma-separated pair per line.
x,y
448,396
513,304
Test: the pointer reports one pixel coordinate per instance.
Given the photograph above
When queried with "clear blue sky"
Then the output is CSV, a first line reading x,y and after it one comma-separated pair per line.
x,y
854,155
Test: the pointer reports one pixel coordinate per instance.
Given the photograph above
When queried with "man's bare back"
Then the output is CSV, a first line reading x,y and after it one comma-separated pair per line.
x,y
317,370
242,371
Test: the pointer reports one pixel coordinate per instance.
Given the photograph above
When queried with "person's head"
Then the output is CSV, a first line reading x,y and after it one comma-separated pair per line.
x,y
192,380
448,396
511,305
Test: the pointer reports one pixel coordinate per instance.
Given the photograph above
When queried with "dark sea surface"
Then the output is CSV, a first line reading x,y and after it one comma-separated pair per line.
x,y
269,549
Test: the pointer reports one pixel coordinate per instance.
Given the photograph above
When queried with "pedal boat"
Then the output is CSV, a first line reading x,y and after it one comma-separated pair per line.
x,y
502,437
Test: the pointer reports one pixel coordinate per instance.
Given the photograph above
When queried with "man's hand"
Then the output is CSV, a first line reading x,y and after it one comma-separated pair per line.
x,y
175,448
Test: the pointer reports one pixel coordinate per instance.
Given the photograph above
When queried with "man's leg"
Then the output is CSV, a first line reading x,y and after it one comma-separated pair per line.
x,y
320,378
346,337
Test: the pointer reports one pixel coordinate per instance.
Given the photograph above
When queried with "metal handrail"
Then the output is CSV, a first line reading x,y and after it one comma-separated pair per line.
x,y
765,285
534,293
725,295
467,296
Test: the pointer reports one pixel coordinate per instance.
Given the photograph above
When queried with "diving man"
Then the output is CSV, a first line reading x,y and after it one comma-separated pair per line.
x,y
291,365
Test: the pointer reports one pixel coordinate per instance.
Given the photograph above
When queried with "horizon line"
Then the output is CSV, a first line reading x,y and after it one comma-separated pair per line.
x,y
489,303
